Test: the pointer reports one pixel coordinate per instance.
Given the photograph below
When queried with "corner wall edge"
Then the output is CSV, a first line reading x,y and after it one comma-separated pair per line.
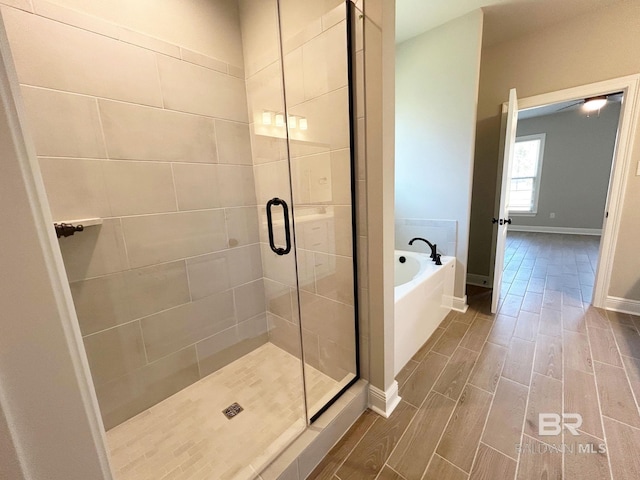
x,y
384,403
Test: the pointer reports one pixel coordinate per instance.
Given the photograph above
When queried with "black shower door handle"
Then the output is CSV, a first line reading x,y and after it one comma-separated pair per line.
x,y
287,233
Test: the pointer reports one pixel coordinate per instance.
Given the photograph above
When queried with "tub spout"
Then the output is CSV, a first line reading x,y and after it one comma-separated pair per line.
x,y
433,246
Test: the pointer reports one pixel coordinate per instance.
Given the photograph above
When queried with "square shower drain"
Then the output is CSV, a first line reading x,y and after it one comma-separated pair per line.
x,y
232,410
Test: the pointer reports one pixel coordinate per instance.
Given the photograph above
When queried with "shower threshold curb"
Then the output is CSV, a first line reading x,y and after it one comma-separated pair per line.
x,y
306,451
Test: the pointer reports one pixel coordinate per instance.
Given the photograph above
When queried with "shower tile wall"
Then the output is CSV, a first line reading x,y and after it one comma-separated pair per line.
x,y
441,232
138,111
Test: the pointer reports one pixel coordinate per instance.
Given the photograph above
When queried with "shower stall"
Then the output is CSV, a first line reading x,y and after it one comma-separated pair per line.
x,y
202,153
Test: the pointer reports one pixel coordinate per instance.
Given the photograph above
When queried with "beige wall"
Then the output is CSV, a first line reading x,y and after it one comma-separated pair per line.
x,y
9,462
587,49
153,138
436,97
379,66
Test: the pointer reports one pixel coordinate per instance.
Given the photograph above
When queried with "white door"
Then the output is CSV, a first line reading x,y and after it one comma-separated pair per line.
x,y
502,220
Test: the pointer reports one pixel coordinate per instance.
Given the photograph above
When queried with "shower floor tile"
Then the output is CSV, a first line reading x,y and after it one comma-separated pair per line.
x,y
187,436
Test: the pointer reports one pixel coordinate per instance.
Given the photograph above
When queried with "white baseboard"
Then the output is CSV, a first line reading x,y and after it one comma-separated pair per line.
x,y
564,230
460,304
623,305
383,403
478,280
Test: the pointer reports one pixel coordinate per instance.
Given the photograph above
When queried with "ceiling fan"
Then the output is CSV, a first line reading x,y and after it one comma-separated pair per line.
x,y
592,104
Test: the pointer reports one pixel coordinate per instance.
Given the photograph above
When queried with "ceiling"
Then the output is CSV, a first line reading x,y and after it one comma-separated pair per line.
x,y
503,20
569,106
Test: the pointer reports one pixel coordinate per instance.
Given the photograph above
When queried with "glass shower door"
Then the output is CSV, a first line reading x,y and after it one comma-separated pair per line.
x,y
319,99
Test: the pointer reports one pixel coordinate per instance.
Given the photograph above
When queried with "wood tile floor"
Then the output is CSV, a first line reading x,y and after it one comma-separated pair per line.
x,y
471,397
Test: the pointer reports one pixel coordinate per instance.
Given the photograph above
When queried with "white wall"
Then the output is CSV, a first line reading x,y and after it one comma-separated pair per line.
x,y
437,78
576,167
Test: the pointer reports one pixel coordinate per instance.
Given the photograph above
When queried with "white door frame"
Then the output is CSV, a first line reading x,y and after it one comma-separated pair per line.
x,y
502,227
620,167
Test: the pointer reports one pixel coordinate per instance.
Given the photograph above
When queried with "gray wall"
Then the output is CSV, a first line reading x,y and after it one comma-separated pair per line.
x,y
576,167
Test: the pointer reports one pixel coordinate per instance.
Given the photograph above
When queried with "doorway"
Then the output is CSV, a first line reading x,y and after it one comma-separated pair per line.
x,y
549,165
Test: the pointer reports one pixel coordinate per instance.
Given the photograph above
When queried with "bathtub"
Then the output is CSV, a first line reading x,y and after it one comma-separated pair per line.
x,y
423,297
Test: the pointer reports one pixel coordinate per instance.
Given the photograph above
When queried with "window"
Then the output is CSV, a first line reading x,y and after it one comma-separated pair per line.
x,y
525,174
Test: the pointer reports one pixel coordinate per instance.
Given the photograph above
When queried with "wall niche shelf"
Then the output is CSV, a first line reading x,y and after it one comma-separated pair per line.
x,y
67,228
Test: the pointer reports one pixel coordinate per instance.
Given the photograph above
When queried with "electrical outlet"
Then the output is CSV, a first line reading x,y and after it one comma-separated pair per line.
x,y
552,215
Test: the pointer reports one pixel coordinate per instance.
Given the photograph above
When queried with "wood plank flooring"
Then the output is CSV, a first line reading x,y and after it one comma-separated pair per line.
x,y
472,395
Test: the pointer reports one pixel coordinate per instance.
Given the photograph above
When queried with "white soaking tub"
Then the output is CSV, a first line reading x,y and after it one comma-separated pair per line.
x,y
423,297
